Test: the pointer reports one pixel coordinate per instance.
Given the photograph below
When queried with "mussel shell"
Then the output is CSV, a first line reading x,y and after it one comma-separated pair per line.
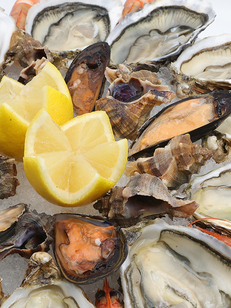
x,y
102,269
222,109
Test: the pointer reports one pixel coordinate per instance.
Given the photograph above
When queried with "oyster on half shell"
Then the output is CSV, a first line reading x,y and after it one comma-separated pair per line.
x,y
176,266
159,31
204,66
43,287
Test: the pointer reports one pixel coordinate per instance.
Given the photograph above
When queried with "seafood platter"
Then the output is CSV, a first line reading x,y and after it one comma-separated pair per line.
x,y
160,235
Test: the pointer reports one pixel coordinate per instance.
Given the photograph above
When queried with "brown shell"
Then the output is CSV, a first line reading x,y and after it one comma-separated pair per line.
x,y
173,164
8,177
144,196
127,117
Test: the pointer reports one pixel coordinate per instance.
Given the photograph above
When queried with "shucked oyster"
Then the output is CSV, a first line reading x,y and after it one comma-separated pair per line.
x,y
196,115
176,266
74,24
159,31
204,66
43,287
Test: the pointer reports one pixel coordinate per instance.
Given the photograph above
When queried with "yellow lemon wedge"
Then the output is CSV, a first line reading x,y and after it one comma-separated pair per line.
x,y
19,104
76,163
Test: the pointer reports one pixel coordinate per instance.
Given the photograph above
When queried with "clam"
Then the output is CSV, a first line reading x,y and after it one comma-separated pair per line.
x,y
86,248
159,31
174,164
71,25
213,192
24,232
8,177
130,100
144,197
175,266
85,76
204,66
43,286
196,115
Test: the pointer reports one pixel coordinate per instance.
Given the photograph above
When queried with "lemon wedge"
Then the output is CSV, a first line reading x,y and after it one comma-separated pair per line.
x,y
19,104
76,163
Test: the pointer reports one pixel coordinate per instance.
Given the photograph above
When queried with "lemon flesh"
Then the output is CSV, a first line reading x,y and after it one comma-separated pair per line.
x,y
76,163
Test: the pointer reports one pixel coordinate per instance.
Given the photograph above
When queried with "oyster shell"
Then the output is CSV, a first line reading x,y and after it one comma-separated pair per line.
x,y
159,31
43,286
204,66
29,233
196,115
8,177
144,196
173,164
87,248
71,25
130,100
176,266
85,76
212,191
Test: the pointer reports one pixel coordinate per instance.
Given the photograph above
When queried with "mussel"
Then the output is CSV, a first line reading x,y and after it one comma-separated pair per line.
x,y
196,115
87,248
85,76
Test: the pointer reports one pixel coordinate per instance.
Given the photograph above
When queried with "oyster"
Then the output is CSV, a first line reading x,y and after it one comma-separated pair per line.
x,y
213,192
145,196
85,76
196,115
175,266
173,164
204,66
43,286
8,179
130,100
159,31
71,25
26,233
86,248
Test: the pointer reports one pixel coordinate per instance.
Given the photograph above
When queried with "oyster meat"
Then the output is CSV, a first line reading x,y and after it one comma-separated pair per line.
x,y
43,286
176,266
86,248
196,115
74,24
159,31
85,76
204,66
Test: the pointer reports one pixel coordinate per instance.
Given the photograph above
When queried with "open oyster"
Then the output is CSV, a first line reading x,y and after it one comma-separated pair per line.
x,y
86,248
213,192
196,115
74,24
43,286
204,66
159,31
175,266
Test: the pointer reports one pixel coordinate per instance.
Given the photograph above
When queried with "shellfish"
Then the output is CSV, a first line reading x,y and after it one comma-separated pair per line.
x,y
8,177
196,115
86,248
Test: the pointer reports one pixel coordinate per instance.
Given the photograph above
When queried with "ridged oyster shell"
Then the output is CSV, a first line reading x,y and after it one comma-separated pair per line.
x,y
159,31
204,66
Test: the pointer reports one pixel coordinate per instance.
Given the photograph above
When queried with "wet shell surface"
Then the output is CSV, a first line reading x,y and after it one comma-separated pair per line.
x,y
196,115
159,31
174,164
43,286
86,248
145,196
130,100
204,66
